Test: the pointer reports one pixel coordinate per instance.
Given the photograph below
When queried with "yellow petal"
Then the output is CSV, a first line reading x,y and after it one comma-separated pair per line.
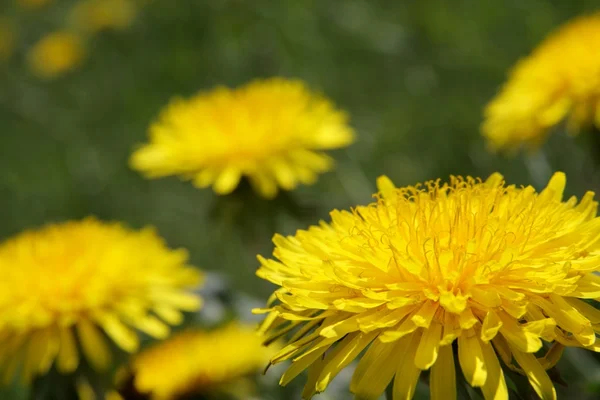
x,y
93,345
495,384
376,369
168,314
345,352
305,360
491,326
442,379
423,317
471,358
385,186
227,180
284,174
68,357
555,188
538,378
524,340
495,179
263,184
122,335
407,374
427,352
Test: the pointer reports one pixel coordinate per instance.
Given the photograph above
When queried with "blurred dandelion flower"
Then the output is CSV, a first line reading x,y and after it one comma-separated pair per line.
x,y
97,15
7,38
198,361
560,79
56,54
497,268
272,131
86,279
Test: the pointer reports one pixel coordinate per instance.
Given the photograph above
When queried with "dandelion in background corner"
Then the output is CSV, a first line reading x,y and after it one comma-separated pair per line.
x,y
78,281
559,80
500,270
273,132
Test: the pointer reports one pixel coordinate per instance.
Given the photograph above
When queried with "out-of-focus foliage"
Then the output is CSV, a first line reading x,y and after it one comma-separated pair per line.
x,y
414,77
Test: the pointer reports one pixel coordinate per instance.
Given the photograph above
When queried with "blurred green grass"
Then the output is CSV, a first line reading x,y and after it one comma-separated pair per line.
x,y
414,77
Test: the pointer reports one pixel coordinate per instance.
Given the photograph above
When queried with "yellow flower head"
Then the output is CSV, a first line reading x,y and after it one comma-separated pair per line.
x,y
56,54
271,131
199,361
499,269
560,79
97,15
7,38
86,279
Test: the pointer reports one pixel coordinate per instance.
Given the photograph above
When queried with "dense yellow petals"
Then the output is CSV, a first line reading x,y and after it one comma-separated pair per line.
x,y
78,285
559,80
272,132
501,269
199,361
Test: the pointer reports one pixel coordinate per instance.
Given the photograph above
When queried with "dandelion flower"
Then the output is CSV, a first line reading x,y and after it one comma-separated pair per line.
x,y
271,131
198,361
82,282
56,54
98,15
500,270
559,80
7,38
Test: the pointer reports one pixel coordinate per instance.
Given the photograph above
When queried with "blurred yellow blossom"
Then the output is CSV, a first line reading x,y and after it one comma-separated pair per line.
x,y
198,361
56,54
497,269
67,287
271,131
560,79
7,38
97,15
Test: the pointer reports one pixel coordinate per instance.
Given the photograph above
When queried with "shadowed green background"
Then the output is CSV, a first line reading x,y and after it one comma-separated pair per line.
x,y
414,76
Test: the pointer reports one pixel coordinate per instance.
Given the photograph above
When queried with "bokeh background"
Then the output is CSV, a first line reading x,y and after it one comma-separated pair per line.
x,y
413,75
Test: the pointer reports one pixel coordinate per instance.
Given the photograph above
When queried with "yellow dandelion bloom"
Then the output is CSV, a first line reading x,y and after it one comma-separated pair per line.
x,y
79,281
7,38
198,361
500,270
56,54
271,131
97,15
559,80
